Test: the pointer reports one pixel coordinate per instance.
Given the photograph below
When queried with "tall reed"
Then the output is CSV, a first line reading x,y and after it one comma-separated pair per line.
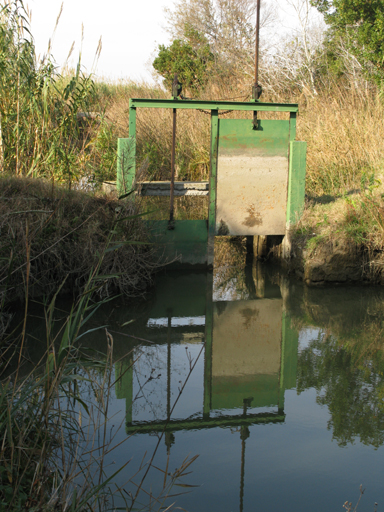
x,y
55,441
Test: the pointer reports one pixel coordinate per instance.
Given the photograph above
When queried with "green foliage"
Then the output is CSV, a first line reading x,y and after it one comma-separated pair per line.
x,y
190,59
360,26
42,133
349,380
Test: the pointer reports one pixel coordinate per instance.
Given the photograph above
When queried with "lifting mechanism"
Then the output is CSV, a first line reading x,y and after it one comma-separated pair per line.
x,y
257,173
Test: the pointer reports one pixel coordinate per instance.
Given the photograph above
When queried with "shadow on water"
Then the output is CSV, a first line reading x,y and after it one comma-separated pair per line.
x,y
222,352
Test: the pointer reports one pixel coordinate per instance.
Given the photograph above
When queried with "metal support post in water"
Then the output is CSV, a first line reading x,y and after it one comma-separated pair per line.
x,y
171,208
256,89
176,91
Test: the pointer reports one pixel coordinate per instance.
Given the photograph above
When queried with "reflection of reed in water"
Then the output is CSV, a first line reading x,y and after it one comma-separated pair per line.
x,y
238,275
229,278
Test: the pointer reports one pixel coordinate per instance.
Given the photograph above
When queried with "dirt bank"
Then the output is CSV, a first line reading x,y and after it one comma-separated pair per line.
x,y
340,240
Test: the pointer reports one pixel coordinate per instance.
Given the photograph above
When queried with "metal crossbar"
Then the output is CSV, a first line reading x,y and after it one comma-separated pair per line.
x,y
250,106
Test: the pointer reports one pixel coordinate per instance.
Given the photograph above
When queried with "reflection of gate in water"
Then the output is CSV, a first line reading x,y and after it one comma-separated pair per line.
x,y
250,356
256,184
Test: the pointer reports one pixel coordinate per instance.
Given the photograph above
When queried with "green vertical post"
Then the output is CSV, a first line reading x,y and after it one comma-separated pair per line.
x,y
212,186
292,126
282,367
208,348
124,384
132,120
296,181
291,346
126,157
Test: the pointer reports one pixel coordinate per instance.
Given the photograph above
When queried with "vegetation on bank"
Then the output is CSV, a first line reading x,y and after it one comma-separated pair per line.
x,y
55,421
52,236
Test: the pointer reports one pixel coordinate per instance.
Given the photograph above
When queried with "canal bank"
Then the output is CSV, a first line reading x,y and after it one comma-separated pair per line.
x,y
340,239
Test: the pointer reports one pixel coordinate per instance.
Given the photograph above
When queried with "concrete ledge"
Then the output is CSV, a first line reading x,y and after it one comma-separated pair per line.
x,y
181,188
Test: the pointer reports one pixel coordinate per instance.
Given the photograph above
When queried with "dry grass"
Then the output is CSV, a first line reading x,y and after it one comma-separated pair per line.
x,y
343,126
344,131
49,234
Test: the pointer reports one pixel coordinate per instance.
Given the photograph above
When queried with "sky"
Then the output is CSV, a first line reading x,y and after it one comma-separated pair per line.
x,y
131,31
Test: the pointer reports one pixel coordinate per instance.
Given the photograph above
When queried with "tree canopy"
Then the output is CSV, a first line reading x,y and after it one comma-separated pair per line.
x,y
191,59
359,26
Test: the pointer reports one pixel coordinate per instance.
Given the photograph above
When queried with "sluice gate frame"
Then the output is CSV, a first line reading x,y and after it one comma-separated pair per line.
x,y
256,179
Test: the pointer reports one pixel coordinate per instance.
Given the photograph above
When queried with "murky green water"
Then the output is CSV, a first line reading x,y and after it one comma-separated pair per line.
x,y
278,388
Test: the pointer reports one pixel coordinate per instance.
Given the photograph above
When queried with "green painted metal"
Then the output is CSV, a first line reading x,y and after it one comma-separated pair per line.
x,y
290,342
212,186
207,400
184,245
292,124
213,105
296,181
203,423
272,139
126,165
238,136
132,121
230,392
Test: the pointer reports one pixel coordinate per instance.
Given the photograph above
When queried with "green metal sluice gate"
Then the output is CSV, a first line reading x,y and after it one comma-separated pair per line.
x,y
256,182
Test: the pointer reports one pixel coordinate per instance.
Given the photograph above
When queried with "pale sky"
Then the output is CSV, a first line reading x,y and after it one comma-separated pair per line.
x,y
131,31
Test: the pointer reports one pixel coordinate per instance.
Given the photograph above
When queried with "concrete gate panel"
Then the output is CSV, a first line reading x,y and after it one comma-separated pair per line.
x,y
252,177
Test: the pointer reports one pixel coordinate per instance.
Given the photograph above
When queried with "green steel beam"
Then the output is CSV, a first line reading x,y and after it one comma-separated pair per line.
x,y
198,424
132,121
208,348
213,105
126,165
292,126
212,186
296,183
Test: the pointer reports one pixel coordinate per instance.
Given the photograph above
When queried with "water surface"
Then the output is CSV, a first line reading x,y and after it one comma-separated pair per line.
x,y
278,388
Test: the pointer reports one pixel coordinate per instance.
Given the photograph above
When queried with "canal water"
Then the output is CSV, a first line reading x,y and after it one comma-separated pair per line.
x,y
277,388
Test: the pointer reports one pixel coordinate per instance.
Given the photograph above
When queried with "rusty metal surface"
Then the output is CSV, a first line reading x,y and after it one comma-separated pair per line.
x,y
257,37
252,178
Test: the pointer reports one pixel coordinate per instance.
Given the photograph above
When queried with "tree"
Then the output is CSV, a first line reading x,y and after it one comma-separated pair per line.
x,y
297,57
359,25
191,59
227,27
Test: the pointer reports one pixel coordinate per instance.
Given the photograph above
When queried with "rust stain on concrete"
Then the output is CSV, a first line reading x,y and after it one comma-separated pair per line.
x,y
254,218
